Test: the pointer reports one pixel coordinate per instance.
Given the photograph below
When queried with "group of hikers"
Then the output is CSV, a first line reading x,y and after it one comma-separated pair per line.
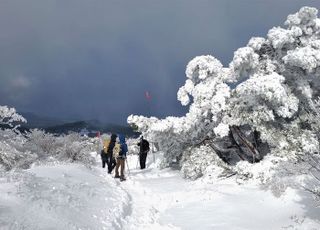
x,y
114,154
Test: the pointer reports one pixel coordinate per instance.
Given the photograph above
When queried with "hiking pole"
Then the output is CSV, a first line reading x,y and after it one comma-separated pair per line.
x,y
128,167
152,150
137,162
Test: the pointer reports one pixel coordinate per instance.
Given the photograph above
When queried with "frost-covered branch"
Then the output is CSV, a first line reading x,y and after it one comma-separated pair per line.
x,y
9,115
266,91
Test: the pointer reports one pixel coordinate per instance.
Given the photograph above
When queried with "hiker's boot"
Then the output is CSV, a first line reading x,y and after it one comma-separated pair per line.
x,y
117,176
122,178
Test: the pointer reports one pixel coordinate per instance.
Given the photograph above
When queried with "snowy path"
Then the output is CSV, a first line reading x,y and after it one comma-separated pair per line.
x,y
148,199
72,196
161,199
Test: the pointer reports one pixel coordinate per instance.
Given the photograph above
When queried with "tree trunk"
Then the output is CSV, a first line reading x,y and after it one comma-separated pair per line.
x,y
235,130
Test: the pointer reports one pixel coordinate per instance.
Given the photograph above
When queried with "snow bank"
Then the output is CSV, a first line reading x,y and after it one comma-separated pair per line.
x,y
67,196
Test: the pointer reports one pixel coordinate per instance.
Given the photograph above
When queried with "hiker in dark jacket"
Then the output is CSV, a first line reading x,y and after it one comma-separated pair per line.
x,y
144,149
104,158
121,158
107,153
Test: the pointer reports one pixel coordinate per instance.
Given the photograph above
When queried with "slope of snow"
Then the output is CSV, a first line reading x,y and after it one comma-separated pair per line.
x,y
72,196
60,197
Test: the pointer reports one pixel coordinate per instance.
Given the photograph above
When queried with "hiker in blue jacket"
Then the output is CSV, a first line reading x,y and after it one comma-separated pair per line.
x,y
121,158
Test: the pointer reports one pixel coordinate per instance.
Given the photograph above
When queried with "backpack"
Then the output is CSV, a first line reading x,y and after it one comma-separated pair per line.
x,y
116,150
123,150
106,144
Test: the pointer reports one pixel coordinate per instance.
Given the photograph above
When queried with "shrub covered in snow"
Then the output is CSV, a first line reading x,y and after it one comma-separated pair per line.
x,y
201,160
41,143
22,150
72,147
12,152
258,105
133,147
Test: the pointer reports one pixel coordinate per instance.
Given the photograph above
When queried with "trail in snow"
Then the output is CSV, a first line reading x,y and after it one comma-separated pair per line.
x,y
161,199
147,202
71,196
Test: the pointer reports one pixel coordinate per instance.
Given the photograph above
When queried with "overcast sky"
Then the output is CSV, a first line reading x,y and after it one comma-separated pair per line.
x,y
81,59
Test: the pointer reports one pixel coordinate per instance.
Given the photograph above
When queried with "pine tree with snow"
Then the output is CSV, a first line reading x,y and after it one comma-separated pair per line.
x,y
256,106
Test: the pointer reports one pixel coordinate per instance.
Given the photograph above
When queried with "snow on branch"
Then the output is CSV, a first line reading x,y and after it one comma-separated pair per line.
x,y
9,116
266,92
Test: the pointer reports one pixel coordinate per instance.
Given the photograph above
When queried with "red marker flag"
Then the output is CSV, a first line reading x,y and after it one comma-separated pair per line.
x,y
147,95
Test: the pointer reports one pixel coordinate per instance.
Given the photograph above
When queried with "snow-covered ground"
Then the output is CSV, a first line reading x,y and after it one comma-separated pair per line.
x,y
71,196
60,197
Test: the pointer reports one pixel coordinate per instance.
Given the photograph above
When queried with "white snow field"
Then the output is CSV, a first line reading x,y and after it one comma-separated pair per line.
x,y
71,196
61,197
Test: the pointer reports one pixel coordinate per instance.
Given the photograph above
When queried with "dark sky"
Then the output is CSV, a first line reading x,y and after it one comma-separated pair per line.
x,y
81,59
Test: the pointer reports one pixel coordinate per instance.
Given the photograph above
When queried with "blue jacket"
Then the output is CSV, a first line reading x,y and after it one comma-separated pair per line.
x,y
124,147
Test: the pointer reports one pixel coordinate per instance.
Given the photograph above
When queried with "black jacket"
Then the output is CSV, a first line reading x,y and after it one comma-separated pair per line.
x,y
144,146
112,144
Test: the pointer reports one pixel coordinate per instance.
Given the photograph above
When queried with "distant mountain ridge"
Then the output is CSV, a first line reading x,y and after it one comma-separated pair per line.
x,y
59,126
91,127
36,121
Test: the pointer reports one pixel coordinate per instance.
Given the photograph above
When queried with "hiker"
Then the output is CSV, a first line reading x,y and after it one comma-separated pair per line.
x,y
107,153
103,152
144,149
121,158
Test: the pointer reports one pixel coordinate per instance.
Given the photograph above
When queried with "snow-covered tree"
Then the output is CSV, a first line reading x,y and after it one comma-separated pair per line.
x,y
256,106
8,116
11,141
312,161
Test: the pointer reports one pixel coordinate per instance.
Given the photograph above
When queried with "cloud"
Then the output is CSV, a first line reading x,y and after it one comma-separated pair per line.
x,y
95,59
20,83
